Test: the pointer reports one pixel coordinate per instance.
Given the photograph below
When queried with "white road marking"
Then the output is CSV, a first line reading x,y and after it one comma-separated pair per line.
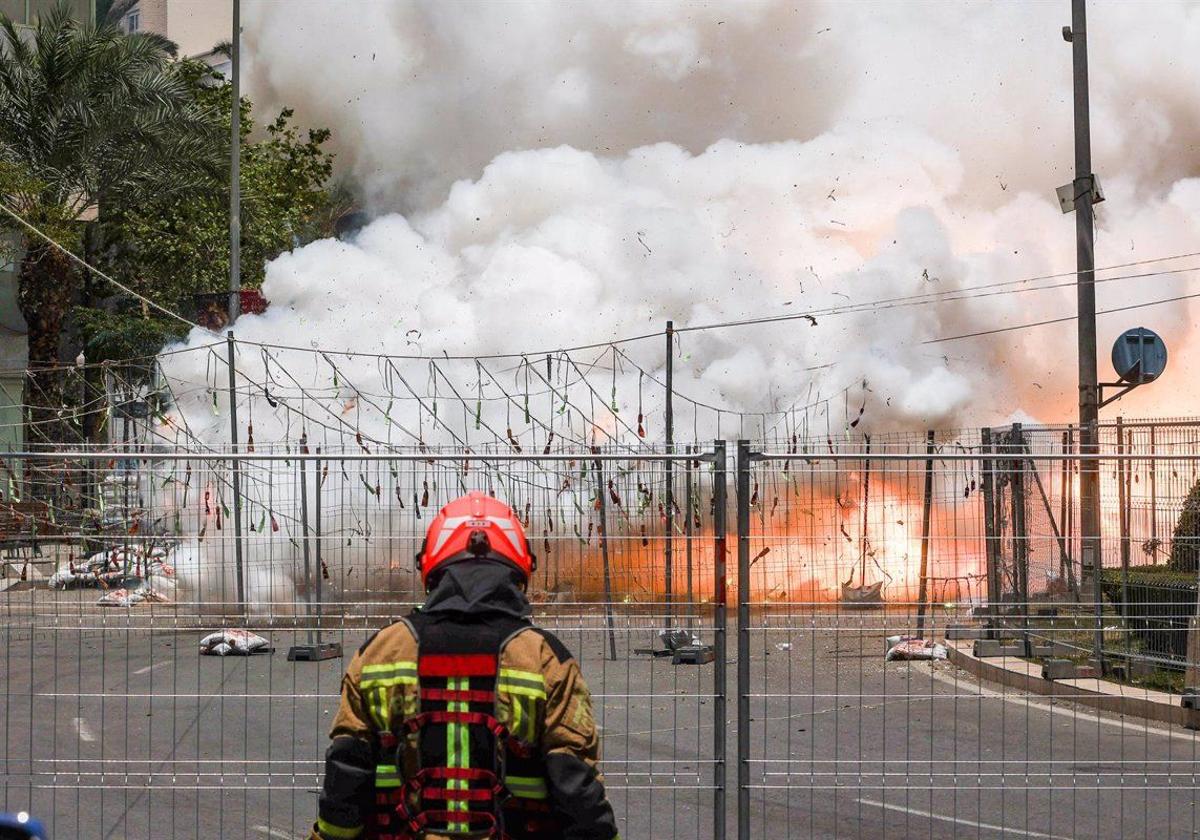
x,y
150,668
271,832
917,812
85,732
1063,707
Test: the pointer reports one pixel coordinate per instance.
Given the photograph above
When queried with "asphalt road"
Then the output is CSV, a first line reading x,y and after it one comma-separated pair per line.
x,y
111,730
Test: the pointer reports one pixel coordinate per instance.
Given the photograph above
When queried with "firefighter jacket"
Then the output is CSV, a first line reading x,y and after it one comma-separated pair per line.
x,y
464,720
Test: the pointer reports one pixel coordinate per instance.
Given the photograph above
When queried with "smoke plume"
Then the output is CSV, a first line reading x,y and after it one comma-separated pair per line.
x,y
550,174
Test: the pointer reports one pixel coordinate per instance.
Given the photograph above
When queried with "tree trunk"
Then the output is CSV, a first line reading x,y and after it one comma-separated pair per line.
x,y
46,286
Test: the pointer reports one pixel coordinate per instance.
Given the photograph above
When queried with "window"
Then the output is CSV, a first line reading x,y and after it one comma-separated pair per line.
x,y
133,21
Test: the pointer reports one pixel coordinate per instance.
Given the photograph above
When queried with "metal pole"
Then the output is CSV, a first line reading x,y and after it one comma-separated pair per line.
x,y
688,526
1016,447
608,610
1153,497
669,525
720,616
990,544
1063,496
320,564
926,516
862,579
308,581
743,646
236,467
1089,391
1072,515
1123,472
235,176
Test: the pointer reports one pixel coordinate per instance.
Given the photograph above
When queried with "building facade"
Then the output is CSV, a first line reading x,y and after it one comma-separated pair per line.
x,y
26,12
196,26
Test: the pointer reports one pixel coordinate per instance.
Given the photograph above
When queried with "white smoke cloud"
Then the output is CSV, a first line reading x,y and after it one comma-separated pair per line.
x,y
572,172
548,174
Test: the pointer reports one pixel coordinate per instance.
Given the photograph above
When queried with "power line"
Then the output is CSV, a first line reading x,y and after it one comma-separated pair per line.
x,y
95,270
948,296
1062,320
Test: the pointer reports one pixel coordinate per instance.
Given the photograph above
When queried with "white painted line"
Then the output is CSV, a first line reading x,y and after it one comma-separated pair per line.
x,y
150,668
271,832
85,732
1075,714
917,812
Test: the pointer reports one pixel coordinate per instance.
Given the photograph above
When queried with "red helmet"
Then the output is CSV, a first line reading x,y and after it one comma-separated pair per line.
x,y
475,526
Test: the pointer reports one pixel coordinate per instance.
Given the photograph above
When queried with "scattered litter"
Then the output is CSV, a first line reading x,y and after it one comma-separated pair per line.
x,y
129,567
120,598
783,646
234,643
675,639
909,649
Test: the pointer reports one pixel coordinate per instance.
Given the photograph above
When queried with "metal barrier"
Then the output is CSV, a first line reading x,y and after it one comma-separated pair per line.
x,y
112,725
846,548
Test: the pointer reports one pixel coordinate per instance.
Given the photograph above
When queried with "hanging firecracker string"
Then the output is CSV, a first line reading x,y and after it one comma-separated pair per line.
x,y
565,374
478,395
641,429
525,365
615,408
433,372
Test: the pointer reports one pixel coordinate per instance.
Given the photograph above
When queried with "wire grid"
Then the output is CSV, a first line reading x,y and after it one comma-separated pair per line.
x,y
113,726
836,742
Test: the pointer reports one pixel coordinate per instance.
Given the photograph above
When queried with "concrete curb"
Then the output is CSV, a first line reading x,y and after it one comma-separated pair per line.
x,y
1099,694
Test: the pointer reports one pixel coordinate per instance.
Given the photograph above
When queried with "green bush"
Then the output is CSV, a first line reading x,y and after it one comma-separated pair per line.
x,y
1185,546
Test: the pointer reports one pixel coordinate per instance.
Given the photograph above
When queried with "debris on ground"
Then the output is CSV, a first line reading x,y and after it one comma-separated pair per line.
x,y
129,597
234,643
130,574
909,649
674,639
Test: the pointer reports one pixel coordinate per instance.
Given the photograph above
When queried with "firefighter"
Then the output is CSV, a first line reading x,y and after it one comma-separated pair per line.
x,y
464,719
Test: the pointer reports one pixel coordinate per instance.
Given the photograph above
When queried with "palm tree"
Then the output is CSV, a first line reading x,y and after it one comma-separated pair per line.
x,y
89,117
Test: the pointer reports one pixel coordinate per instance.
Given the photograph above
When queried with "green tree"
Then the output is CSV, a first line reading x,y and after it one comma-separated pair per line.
x,y
174,246
89,118
1185,544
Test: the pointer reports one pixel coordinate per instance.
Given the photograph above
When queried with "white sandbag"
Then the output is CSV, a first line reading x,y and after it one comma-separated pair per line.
x,y
233,642
907,650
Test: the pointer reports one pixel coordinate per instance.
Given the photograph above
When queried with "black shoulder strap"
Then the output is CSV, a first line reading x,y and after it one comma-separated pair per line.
x,y
560,650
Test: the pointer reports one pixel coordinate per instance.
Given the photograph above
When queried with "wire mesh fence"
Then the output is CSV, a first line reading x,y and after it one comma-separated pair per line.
x,y
115,726
118,561
855,557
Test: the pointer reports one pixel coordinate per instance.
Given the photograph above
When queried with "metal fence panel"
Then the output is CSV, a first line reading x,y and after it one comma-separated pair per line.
x,y
835,741
114,726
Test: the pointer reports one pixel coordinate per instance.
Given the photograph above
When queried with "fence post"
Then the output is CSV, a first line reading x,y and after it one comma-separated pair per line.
x,y
990,545
743,646
320,564
720,617
1153,495
308,581
1020,536
687,534
1123,521
669,466
926,514
237,478
1067,564
608,613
